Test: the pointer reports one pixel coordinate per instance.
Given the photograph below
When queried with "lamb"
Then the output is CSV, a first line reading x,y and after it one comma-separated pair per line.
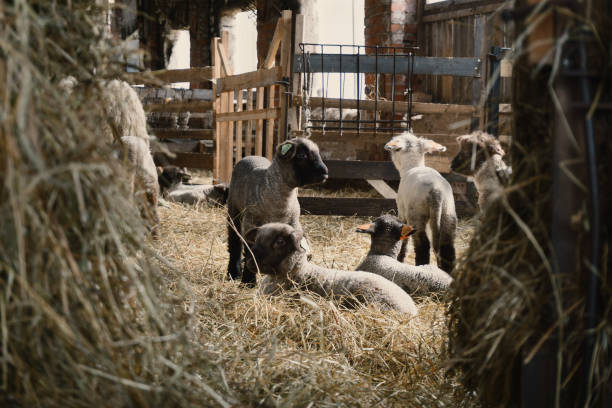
x,y
262,192
481,156
387,233
280,253
172,185
124,111
424,196
143,176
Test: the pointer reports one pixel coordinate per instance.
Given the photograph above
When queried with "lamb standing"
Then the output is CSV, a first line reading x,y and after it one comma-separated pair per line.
x,y
387,233
481,156
280,252
424,196
262,192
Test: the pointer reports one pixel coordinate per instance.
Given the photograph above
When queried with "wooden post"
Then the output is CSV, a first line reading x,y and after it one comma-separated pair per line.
x,y
229,125
295,119
216,73
285,65
478,84
248,142
238,126
270,125
259,126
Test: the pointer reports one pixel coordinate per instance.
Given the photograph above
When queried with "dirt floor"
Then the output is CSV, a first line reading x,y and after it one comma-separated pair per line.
x,y
305,351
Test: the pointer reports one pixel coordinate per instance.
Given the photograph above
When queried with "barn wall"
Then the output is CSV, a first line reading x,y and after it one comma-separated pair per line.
x,y
454,37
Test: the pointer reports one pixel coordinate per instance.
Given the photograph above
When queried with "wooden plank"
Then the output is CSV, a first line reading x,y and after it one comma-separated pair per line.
x,y
276,40
163,76
224,52
506,68
229,158
259,126
383,188
238,127
447,51
459,66
248,145
295,119
179,106
193,160
196,134
431,16
478,84
387,106
285,66
269,113
457,5
217,170
254,79
365,207
270,126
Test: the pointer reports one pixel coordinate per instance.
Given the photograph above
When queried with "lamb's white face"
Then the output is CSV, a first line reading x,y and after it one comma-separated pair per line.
x,y
408,150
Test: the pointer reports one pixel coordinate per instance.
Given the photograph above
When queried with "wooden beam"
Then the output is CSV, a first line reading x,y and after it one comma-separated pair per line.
x,y
456,66
505,68
225,61
276,40
196,134
298,38
179,106
216,64
163,76
434,16
193,160
270,124
248,80
269,113
365,207
383,188
387,106
248,145
259,125
285,67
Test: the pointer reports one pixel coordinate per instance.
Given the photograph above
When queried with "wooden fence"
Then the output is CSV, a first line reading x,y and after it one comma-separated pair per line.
x,y
249,122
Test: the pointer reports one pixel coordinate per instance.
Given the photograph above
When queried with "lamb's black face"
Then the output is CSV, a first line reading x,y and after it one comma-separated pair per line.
x,y
171,176
308,166
388,228
462,162
273,247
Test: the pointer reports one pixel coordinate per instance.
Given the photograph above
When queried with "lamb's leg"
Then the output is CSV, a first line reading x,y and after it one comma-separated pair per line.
x,y
234,244
421,247
446,257
249,277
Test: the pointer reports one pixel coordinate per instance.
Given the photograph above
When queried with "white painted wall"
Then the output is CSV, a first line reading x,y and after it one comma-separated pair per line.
x,y
242,29
180,57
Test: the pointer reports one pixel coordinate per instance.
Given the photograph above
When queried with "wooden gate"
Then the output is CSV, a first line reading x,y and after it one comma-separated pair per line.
x,y
250,109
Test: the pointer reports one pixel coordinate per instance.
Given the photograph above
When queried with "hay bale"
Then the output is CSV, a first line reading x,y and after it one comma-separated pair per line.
x,y
85,316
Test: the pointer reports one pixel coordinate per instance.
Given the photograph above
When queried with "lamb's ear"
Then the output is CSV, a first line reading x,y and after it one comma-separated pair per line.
x,y
250,235
221,187
429,146
365,228
287,149
407,231
160,170
393,145
300,242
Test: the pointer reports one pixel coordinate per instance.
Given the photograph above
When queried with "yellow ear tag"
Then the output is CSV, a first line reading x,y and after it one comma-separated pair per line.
x,y
285,148
304,245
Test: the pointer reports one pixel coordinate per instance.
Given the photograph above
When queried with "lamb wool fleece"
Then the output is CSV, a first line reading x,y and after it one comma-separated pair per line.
x,y
387,234
281,255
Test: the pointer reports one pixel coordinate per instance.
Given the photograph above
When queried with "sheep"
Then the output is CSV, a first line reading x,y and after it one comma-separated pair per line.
x,y
424,196
481,156
387,233
261,191
172,186
281,254
135,152
124,112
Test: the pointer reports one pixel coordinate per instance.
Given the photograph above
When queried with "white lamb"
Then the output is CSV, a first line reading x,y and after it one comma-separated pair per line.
x,y
424,196
281,254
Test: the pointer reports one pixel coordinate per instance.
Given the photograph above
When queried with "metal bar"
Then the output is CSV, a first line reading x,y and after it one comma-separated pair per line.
x,y
493,97
376,92
358,91
457,66
393,92
322,86
340,90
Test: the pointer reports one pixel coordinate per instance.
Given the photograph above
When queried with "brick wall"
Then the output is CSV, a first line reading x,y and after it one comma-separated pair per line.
x,y
390,23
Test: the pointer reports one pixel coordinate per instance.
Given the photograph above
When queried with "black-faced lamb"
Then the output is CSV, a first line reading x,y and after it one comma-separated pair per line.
x,y
280,252
387,233
423,197
261,191
143,176
481,156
